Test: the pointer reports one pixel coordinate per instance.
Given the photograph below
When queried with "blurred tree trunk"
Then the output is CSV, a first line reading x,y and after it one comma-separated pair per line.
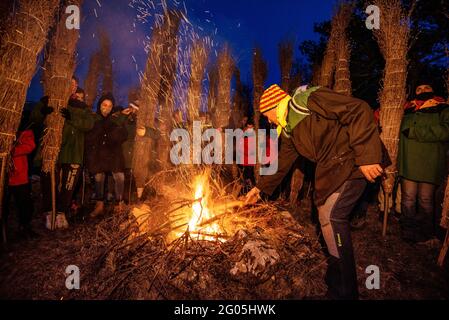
x,y
260,73
166,96
91,82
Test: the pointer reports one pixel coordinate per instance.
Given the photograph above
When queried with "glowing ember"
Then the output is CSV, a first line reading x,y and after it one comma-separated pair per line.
x,y
201,213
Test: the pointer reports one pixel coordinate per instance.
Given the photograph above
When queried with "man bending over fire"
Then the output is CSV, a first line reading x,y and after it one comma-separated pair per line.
x,y
337,133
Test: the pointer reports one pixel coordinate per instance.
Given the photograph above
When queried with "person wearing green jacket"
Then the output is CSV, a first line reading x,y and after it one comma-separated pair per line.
x,y
423,147
78,120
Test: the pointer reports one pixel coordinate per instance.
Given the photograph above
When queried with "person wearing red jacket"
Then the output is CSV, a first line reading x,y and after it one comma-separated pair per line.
x,y
19,186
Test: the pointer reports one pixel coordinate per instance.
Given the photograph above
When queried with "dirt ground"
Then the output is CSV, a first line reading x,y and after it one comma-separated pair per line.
x,y
35,269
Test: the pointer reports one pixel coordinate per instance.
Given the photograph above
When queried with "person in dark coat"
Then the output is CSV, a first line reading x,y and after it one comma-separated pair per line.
x,y
104,152
337,133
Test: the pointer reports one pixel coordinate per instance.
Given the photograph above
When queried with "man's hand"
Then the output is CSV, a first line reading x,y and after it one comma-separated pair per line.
x,y
127,111
252,196
371,171
65,113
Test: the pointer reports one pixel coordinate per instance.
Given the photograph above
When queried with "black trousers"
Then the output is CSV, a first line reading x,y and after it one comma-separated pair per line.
x,y
23,201
69,175
341,276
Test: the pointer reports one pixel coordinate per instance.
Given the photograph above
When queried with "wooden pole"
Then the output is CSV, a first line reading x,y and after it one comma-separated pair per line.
x,y
53,197
2,187
387,196
444,249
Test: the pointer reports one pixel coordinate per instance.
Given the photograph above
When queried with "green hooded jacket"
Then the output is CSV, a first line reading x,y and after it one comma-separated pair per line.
x,y
422,155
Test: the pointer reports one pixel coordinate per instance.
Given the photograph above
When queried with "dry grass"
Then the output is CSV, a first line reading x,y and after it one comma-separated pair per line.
x,y
393,39
150,85
199,56
59,67
166,90
343,52
25,34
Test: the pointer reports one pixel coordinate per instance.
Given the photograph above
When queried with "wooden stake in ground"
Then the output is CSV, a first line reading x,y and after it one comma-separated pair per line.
x,y
59,67
343,53
23,37
149,94
166,98
393,39
197,68
91,82
260,73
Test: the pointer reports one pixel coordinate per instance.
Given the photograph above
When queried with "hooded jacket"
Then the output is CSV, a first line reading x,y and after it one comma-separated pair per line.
x,y
104,143
339,136
18,174
424,141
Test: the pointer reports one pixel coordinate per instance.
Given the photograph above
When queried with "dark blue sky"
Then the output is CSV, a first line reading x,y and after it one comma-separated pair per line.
x,y
242,23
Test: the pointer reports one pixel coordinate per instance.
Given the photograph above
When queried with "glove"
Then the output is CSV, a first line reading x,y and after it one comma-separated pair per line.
x,y
46,110
66,113
252,196
406,132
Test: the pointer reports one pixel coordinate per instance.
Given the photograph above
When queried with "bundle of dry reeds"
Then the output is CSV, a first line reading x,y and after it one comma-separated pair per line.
x,y
106,62
149,97
198,63
23,37
260,73
225,69
59,66
91,82
166,97
286,63
343,53
393,40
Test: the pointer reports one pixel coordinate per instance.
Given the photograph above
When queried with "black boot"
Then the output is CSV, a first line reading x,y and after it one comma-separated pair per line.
x,y
341,280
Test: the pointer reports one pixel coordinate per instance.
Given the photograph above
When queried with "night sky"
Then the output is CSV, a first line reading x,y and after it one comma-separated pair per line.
x,y
243,24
